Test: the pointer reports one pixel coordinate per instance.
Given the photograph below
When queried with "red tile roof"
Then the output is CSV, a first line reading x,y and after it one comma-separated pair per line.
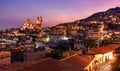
x,y
47,64
19,65
103,50
118,49
79,61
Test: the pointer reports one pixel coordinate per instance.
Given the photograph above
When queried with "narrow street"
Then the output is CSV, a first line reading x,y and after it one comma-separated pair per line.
x,y
104,66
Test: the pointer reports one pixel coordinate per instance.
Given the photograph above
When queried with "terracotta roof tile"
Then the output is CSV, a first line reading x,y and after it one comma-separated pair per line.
x,y
103,50
79,61
47,64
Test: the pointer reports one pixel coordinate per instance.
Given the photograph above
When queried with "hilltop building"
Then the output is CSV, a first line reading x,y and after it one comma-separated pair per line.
x,y
29,25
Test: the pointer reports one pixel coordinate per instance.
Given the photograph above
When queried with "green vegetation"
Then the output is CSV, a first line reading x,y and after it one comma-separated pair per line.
x,y
59,50
90,43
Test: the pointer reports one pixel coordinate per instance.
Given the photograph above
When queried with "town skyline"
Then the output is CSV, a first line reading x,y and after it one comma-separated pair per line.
x,y
59,35
14,13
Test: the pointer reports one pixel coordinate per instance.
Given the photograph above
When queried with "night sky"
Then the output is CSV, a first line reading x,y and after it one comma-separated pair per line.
x,y
13,13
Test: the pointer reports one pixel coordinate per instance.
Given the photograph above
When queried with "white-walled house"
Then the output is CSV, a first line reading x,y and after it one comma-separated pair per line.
x,y
103,54
88,62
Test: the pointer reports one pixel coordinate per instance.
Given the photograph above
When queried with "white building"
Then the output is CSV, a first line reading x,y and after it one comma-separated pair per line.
x,y
95,35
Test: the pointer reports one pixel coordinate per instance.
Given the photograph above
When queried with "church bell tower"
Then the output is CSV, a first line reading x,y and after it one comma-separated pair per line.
x,y
39,23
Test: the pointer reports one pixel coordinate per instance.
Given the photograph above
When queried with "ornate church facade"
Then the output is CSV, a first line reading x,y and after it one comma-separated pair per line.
x,y
29,25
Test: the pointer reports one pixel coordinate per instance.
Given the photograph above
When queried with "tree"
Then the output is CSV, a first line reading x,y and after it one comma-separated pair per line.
x,y
89,43
54,54
60,49
64,45
71,43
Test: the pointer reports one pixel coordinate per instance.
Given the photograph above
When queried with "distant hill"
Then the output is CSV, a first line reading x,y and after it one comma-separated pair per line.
x,y
111,16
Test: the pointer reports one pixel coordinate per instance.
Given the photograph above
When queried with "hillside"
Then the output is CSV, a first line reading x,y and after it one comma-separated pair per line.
x,y
109,17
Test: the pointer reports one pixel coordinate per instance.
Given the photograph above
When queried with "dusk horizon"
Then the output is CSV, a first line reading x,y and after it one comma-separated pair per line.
x,y
15,13
59,35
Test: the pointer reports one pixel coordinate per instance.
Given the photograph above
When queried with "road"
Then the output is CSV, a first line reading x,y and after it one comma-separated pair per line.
x,y
105,66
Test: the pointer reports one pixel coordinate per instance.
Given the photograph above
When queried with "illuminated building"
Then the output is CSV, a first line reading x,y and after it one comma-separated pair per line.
x,y
104,54
85,62
29,25
39,23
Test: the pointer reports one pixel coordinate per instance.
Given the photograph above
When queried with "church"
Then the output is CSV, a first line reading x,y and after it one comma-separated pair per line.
x,y
29,25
